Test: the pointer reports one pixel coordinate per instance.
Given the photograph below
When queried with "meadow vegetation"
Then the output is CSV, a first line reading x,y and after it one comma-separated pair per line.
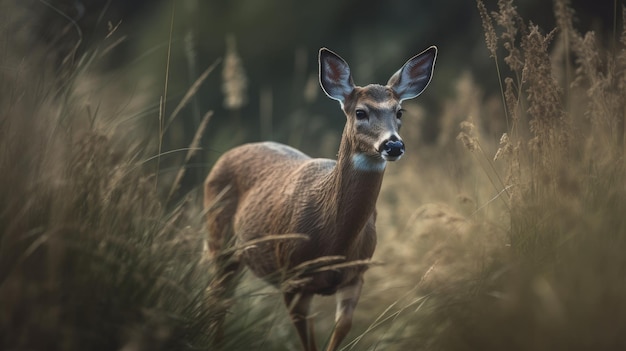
x,y
507,233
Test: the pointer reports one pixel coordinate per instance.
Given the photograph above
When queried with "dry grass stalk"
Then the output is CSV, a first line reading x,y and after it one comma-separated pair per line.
x,y
234,81
564,15
508,18
512,102
543,94
490,33
193,148
505,149
467,136
191,92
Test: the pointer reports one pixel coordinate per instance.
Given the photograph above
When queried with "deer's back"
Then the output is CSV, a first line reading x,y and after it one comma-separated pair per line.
x,y
263,179
265,165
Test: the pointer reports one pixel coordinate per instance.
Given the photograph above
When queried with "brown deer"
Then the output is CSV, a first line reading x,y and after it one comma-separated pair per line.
x,y
261,190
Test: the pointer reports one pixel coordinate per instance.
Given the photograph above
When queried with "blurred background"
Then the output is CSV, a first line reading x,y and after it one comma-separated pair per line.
x,y
265,85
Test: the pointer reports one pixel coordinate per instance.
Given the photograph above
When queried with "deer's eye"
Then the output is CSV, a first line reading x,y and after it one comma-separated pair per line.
x,y
399,114
361,114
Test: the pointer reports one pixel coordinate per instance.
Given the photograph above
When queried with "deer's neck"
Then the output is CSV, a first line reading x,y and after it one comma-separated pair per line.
x,y
355,184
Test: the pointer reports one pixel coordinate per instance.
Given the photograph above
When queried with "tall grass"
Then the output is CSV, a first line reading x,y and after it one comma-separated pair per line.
x,y
561,284
90,259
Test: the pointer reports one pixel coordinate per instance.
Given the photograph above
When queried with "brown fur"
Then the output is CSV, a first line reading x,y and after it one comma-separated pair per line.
x,y
330,204
258,190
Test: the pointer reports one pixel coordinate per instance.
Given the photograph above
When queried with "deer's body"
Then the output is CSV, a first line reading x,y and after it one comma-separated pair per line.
x,y
264,189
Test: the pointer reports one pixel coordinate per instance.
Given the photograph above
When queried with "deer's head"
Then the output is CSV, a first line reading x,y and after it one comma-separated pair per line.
x,y
374,112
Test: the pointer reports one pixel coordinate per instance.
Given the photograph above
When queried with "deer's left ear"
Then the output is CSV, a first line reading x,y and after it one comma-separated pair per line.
x,y
411,80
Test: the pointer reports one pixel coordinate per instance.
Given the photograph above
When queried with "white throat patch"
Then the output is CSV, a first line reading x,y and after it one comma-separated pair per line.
x,y
362,162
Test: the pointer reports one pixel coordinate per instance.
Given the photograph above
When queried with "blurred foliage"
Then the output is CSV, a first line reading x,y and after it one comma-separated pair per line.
x,y
277,43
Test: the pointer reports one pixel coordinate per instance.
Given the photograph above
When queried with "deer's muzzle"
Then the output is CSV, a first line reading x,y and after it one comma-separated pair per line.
x,y
392,149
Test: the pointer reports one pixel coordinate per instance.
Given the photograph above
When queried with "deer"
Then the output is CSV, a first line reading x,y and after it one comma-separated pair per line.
x,y
262,190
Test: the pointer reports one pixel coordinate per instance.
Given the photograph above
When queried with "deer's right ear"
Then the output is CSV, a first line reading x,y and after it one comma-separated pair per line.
x,y
335,77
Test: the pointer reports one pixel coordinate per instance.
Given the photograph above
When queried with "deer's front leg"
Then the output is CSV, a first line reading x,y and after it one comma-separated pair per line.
x,y
298,306
347,298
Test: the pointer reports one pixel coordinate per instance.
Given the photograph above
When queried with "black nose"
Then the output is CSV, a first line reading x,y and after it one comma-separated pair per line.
x,y
393,148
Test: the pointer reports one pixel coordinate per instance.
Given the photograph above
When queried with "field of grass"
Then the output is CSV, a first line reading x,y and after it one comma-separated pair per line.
x,y
516,245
